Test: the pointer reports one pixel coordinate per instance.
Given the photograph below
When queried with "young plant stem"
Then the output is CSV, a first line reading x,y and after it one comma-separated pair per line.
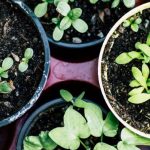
x,y
83,145
102,138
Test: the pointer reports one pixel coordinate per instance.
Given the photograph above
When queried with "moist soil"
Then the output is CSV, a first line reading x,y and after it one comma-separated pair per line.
x,y
99,17
116,82
53,117
16,34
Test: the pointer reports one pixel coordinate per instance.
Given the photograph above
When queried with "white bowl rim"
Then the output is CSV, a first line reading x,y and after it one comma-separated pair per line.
x,y
120,21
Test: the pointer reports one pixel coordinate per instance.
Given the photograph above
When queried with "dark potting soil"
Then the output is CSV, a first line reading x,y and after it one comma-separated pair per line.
x,y
53,117
119,76
99,17
17,33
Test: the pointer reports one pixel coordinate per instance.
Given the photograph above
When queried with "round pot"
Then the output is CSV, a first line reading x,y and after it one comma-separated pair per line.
x,y
102,70
34,117
46,67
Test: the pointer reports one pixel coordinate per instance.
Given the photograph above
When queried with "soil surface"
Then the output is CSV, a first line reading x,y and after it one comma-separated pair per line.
x,y
17,33
119,76
99,17
53,117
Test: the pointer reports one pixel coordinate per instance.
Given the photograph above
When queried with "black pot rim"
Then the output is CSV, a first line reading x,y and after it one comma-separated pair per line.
x,y
75,46
42,83
42,108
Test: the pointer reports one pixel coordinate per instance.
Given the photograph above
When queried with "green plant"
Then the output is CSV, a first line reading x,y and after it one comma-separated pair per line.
x,y
77,127
23,66
5,87
6,65
141,82
115,3
143,53
133,22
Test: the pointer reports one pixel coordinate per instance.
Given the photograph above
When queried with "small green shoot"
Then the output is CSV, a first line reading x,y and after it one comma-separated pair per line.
x,y
23,66
133,22
5,87
142,53
6,65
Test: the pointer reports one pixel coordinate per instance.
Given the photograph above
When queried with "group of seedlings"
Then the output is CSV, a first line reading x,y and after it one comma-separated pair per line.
x,y
7,87
82,120
141,81
71,17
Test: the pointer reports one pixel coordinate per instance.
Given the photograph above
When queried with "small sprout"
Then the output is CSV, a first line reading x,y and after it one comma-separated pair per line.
x,y
133,22
93,1
140,94
6,65
5,87
143,54
23,66
70,18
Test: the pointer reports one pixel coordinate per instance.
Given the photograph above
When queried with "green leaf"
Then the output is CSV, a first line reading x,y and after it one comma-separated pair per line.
x,y
135,27
129,3
104,146
148,83
134,83
56,21
115,3
23,67
41,9
63,8
145,71
58,1
65,23
32,143
93,1
80,25
132,138
66,95
134,54
46,141
94,118
136,91
64,138
28,53
5,87
144,48
76,124
148,40
139,98
123,58
58,34
4,74
75,13
7,63
138,21
111,124
126,23
137,74
124,146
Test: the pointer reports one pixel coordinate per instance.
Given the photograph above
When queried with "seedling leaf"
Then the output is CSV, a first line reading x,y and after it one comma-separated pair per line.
x,y
7,63
58,34
148,40
5,87
139,98
41,9
94,118
124,146
145,71
134,83
66,95
129,3
123,58
65,23
23,67
111,124
136,91
104,146
28,53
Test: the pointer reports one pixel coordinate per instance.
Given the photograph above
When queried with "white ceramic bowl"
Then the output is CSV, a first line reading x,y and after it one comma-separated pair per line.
x,y
100,74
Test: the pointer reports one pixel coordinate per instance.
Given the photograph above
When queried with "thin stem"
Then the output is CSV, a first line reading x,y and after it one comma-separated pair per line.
x,y
83,145
102,138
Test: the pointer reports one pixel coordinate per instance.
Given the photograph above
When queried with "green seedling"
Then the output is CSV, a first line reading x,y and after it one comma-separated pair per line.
x,y
115,3
141,84
5,87
70,18
142,53
6,65
23,66
133,22
78,126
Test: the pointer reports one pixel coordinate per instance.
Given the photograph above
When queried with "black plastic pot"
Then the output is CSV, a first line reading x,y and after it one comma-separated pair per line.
x,y
34,117
37,93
